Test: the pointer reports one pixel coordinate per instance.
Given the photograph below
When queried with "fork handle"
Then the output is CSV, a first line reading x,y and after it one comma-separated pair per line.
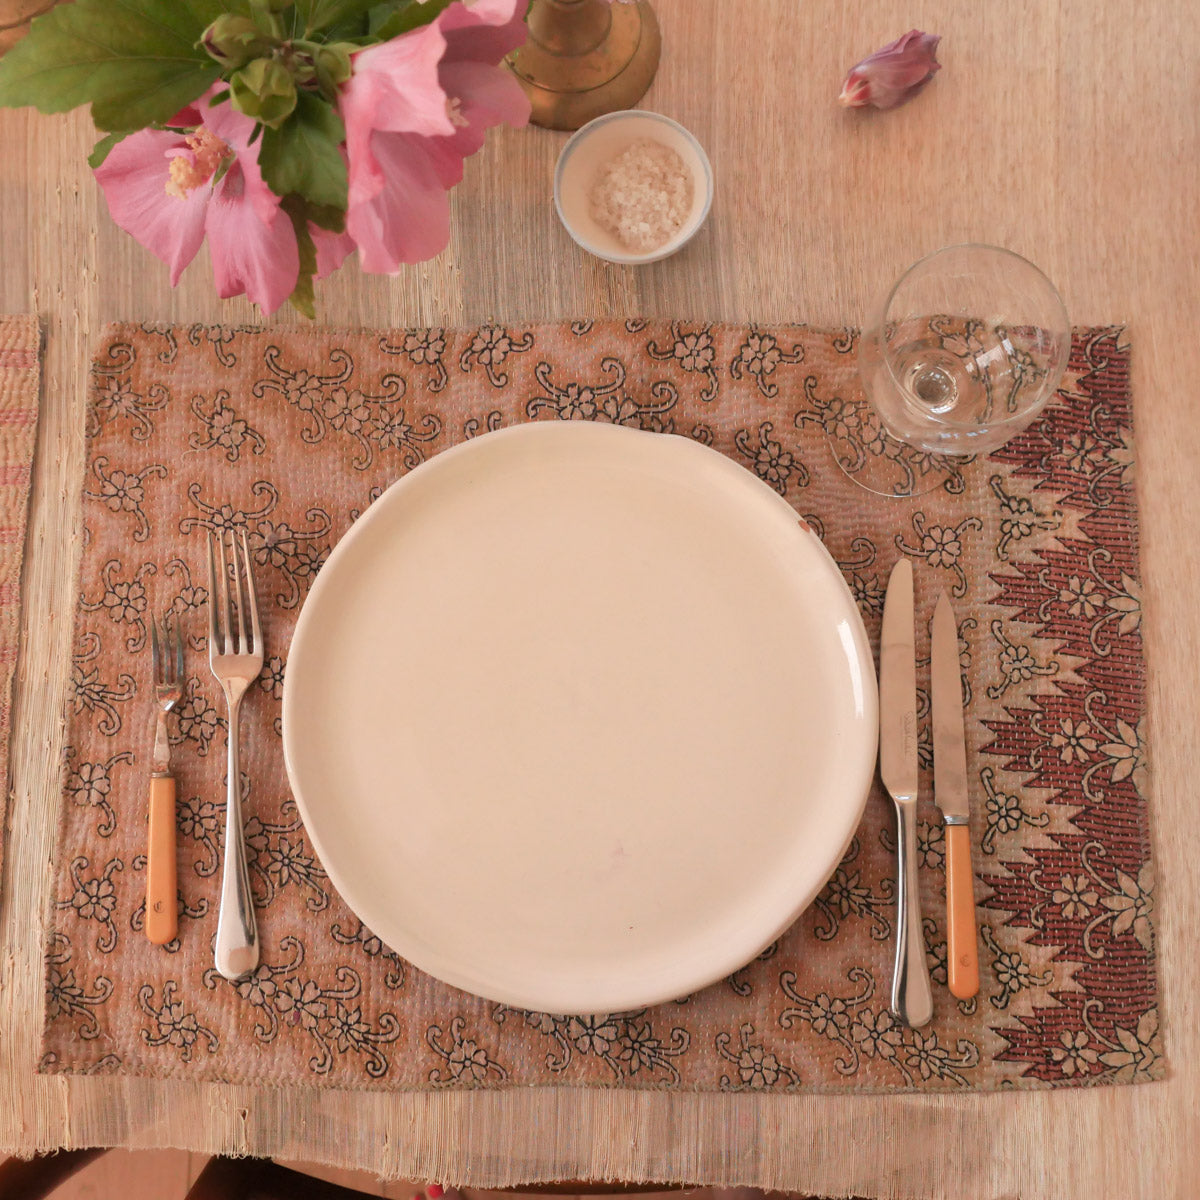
x,y
162,917
237,929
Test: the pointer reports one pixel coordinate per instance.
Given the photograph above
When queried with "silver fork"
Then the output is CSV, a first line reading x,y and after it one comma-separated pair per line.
x,y
162,918
235,654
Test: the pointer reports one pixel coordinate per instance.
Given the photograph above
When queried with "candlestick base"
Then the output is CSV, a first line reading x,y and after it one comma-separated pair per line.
x,y
585,58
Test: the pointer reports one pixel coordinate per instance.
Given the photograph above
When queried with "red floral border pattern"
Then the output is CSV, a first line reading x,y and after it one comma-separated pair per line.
x,y
1084,743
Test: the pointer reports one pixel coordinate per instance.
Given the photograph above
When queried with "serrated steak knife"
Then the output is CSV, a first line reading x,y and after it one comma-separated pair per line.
x,y
912,1000
950,792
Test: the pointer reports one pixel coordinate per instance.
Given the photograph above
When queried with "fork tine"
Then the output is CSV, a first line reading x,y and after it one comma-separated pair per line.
x,y
156,658
252,599
213,634
178,624
242,645
229,597
226,644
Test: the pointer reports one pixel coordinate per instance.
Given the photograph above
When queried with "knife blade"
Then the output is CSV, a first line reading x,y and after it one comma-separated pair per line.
x,y
950,794
912,998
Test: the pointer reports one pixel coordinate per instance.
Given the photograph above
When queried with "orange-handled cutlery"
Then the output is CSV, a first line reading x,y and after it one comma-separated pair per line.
x,y
950,794
162,917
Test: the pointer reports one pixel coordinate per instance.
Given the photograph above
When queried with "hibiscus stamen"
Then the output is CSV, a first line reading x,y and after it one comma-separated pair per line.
x,y
196,165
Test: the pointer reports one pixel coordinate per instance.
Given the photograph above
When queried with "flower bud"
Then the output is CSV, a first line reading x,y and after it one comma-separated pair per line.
x,y
328,63
893,74
233,41
265,90
333,62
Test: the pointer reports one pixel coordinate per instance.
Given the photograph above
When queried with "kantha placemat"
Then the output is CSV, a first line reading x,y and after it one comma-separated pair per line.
x,y
20,390
290,434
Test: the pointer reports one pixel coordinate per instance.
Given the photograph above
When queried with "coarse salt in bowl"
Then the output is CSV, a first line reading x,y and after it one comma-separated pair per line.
x,y
598,143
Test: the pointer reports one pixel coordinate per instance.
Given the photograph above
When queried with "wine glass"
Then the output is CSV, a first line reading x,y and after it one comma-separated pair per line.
x,y
965,350
959,356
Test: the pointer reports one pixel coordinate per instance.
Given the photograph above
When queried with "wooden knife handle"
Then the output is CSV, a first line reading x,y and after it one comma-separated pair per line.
x,y
162,920
962,950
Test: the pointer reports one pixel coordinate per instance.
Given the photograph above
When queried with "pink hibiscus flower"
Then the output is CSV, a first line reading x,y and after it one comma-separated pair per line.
x,y
161,188
414,109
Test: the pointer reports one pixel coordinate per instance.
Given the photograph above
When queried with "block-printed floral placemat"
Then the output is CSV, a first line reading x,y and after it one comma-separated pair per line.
x,y
290,434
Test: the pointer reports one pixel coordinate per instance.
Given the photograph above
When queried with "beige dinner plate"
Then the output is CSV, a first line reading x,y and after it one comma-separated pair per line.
x,y
579,718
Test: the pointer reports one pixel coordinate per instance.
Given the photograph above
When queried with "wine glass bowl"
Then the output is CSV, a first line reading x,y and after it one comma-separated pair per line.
x,y
965,350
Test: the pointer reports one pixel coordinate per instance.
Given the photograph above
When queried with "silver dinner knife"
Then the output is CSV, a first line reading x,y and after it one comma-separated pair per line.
x,y
912,999
950,792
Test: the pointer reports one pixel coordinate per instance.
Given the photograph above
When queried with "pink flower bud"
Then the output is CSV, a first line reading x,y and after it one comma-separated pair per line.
x,y
893,74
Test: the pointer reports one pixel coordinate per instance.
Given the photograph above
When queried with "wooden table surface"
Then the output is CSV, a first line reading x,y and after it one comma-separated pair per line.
x,y
1067,131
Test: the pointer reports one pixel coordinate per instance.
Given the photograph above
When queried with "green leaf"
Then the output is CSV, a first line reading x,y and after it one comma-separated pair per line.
x,y
381,11
320,15
302,298
325,216
102,147
269,16
408,17
303,154
135,61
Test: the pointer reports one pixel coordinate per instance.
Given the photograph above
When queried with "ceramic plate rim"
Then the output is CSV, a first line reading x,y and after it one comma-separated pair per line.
x,y
718,965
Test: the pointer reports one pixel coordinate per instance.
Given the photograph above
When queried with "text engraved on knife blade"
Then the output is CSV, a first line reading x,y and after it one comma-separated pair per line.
x,y
898,688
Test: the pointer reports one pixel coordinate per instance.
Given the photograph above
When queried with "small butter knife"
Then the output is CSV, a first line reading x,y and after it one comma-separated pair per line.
x,y
912,998
950,793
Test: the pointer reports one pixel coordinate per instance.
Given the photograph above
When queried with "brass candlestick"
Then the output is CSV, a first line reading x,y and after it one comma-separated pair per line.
x,y
585,58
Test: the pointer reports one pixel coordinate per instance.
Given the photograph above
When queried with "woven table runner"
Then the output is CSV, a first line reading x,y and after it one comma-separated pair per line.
x,y
20,389
290,434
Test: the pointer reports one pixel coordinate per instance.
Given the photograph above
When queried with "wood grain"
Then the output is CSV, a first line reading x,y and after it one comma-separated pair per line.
x,y
1066,131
